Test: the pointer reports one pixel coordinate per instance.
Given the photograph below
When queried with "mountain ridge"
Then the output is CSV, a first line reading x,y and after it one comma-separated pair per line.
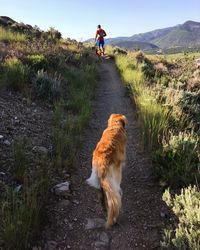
x,y
181,35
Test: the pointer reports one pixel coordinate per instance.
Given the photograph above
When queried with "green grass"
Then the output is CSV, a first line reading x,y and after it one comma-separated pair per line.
x,y
72,113
18,168
10,36
154,120
15,74
23,208
109,50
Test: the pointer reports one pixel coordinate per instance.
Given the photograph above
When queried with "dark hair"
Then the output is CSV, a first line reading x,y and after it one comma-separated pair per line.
x,y
99,26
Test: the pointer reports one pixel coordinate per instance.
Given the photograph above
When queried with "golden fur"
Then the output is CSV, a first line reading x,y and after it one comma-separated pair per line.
x,y
108,158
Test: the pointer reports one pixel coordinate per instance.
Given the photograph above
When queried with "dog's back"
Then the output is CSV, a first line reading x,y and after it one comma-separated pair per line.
x,y
107,161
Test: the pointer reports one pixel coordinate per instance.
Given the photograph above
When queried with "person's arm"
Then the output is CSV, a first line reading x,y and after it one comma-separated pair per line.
x,y
105,33
96,36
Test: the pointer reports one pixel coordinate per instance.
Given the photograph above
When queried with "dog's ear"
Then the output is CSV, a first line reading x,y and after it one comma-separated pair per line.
x,y
124,120
117,118
110,119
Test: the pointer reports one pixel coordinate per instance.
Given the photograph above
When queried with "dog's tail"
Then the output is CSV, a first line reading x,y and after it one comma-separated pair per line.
x,y
113,201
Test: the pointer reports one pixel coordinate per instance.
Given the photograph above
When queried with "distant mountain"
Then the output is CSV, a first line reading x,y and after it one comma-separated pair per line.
x,y
151,35
182,35
187,34
125,43
135,45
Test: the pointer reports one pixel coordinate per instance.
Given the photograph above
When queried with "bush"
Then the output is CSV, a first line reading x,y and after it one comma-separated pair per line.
x,y
140,57
186,207
148,70
56,58
47,87
177,163
190,105
53,34
15,75
37,62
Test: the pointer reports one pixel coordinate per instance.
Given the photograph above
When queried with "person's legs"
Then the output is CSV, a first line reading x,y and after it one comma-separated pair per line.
x,y
101,43
98,49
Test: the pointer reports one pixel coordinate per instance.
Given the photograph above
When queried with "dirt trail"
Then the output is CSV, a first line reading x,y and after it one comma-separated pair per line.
x,y
143,210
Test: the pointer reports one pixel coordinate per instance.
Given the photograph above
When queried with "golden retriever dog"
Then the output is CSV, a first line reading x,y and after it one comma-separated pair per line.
x,y
107,162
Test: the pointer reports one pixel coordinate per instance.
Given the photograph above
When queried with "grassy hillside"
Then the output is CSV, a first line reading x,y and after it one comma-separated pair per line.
x,y
46,88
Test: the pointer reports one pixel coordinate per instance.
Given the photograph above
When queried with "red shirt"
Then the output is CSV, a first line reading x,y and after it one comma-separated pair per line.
x,y
100,33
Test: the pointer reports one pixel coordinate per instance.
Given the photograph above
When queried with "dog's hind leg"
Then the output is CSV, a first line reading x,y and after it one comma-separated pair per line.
x,y
103,199
93,181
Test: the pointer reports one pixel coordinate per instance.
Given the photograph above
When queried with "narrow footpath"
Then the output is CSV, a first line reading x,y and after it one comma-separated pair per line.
x,y
77,223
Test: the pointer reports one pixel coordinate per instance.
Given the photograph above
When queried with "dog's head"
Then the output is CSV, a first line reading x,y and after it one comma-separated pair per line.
x,y
117,119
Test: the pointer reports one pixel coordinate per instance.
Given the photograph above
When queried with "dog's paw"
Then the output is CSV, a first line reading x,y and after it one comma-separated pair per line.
x,y
107,225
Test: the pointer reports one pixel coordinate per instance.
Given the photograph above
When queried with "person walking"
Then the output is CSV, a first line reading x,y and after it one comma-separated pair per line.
x,y
99,39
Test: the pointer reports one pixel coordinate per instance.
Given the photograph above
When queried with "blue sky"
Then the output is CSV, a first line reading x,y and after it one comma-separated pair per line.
x,y
78,18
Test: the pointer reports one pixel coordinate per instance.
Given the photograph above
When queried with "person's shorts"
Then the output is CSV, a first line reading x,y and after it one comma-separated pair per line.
x,y
100,43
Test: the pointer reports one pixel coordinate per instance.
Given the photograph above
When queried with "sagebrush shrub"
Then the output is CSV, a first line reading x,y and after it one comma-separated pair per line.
x,y
47,87
148,70
190,105
177,162
186,206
